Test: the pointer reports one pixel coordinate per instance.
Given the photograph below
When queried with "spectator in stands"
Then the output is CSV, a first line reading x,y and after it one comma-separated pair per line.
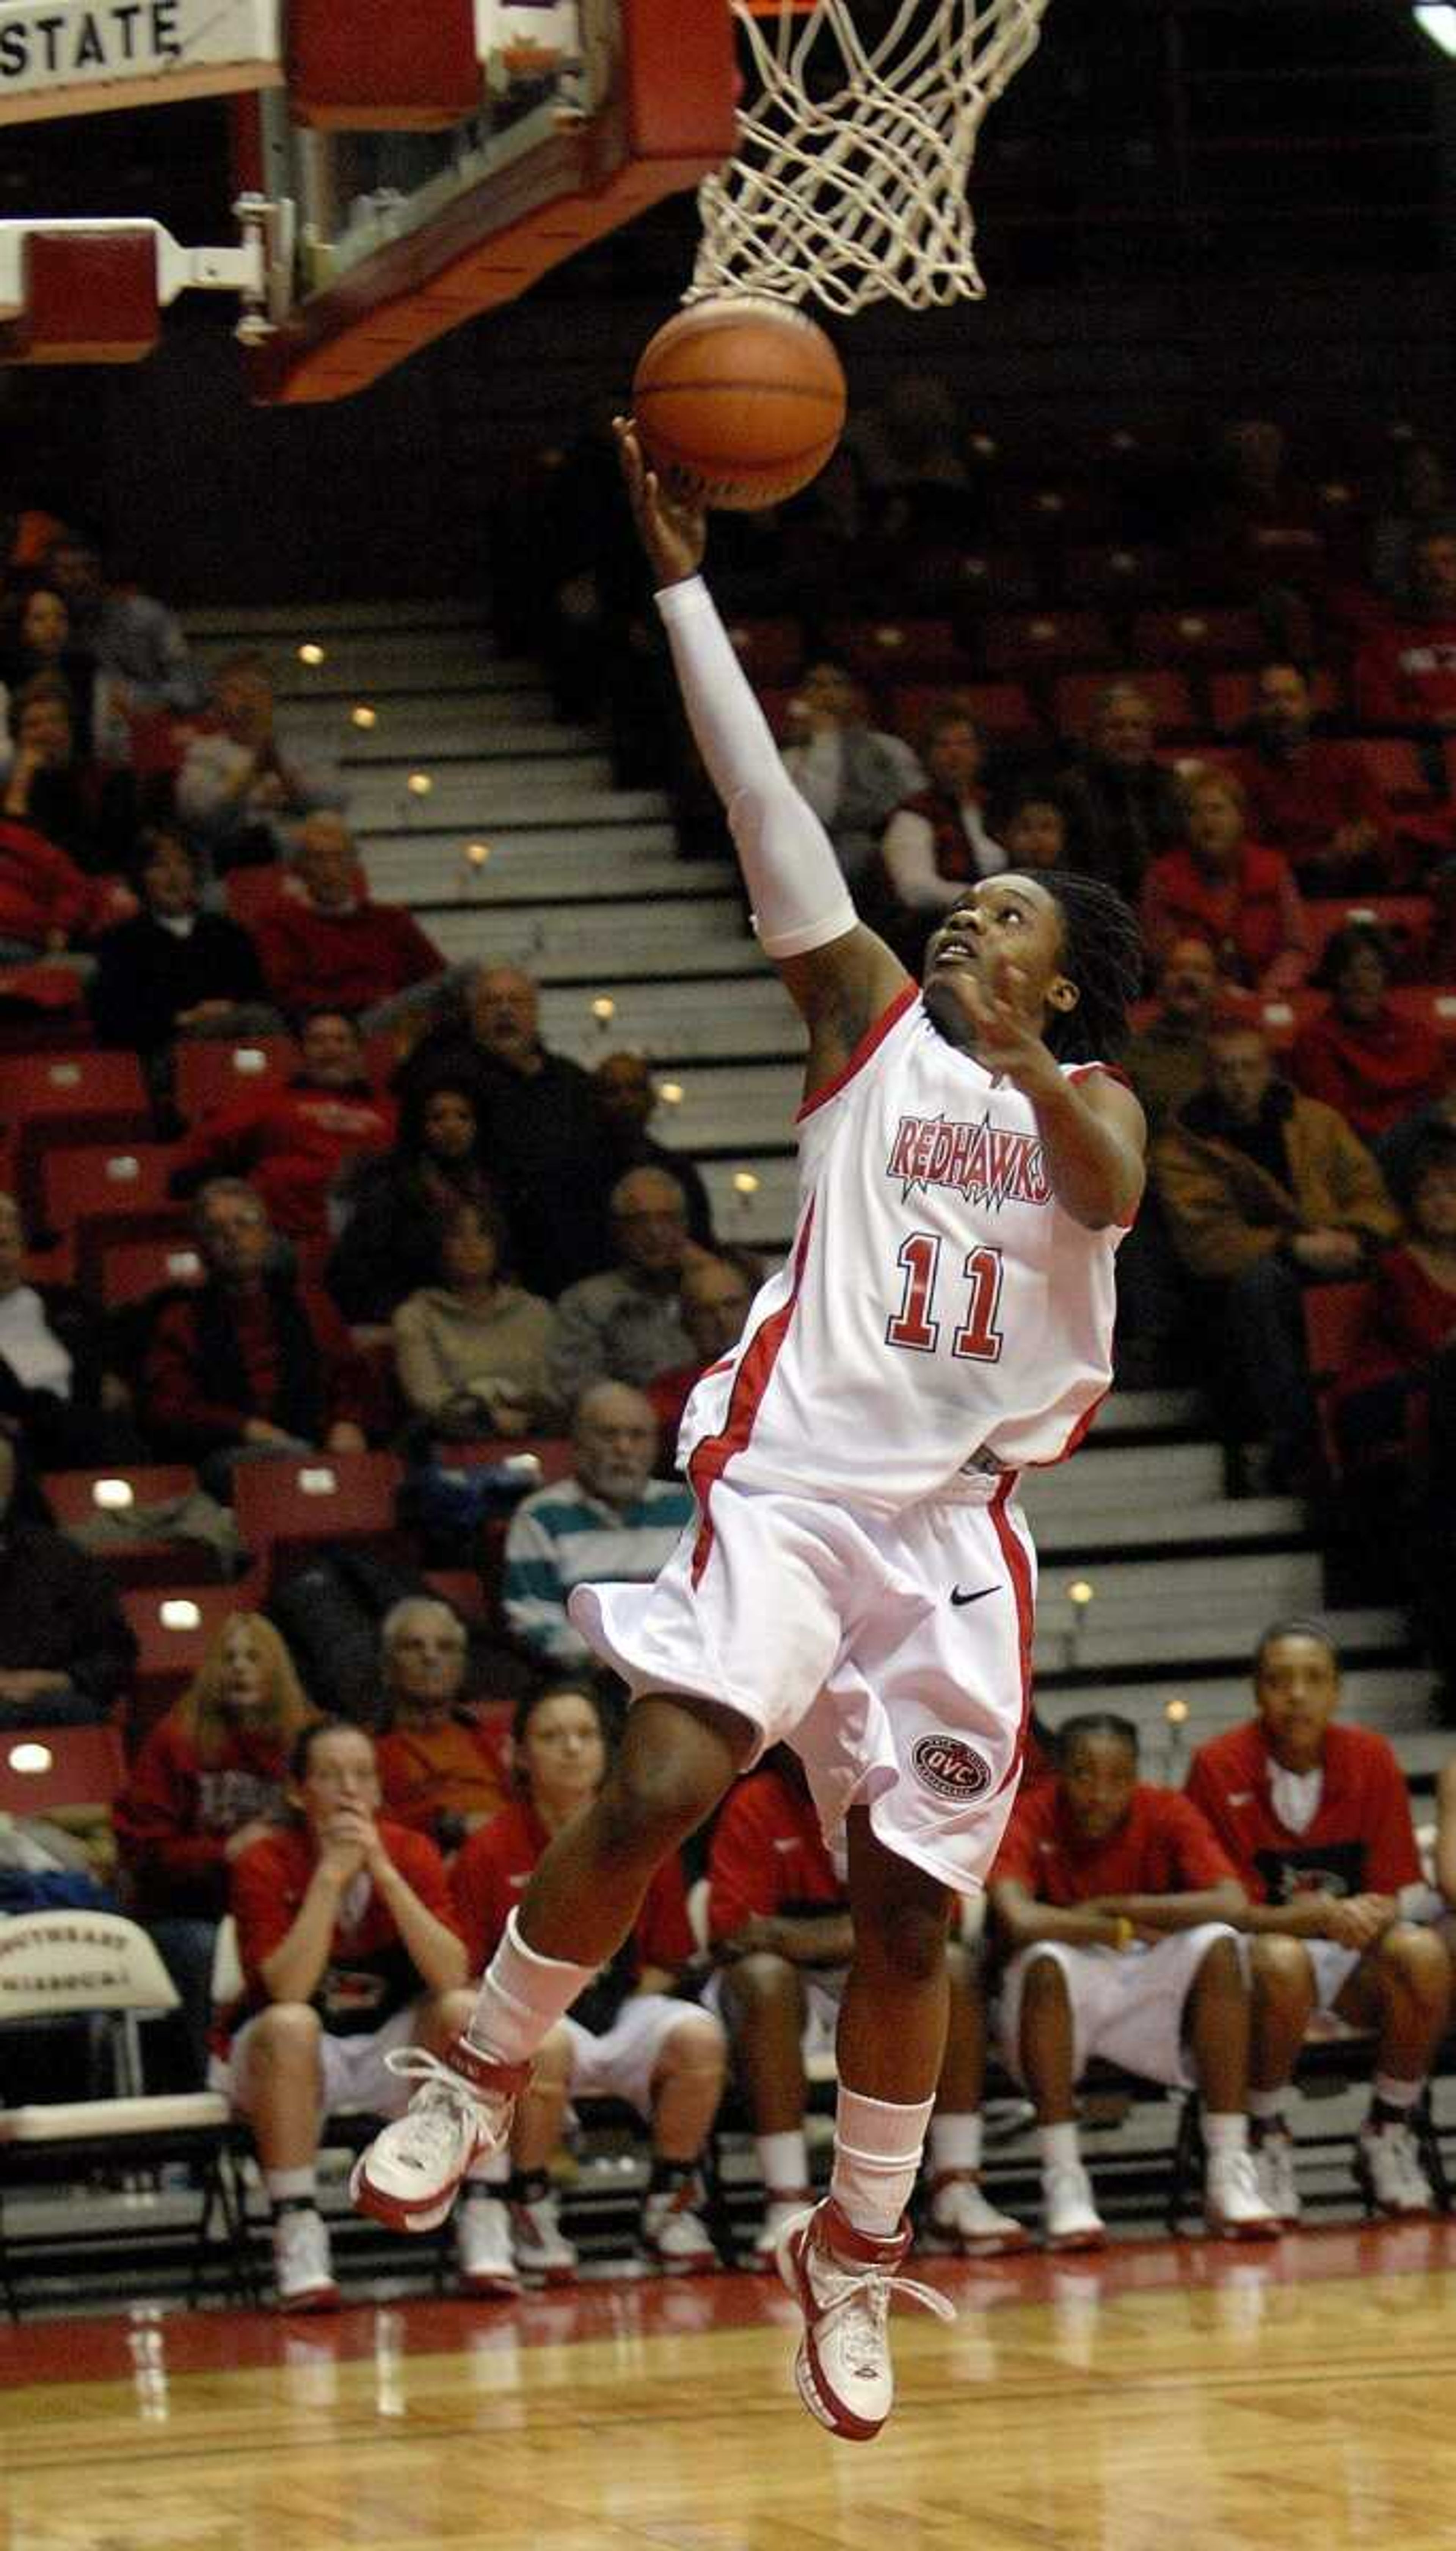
x,y
350,1947
852,776
1406,670
36,638
438,1770
1034,831
292,1143
131,636
715,1295
173,969
781,1938
609,1519
541,1127
1222,886
937,841
626,1324
1125,808
208,1781
240,791
1310,797
1364,1056
247,1363
474,1352
1418,499
50,784
57,1386
329,945
1264,1191
1167,1060
1396,1400
626,2038
391,1206
46,904
627,1096
1119,1909
1314,1817
66,1653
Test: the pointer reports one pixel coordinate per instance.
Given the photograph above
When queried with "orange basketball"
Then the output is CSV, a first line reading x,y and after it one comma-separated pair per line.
x,y
740,400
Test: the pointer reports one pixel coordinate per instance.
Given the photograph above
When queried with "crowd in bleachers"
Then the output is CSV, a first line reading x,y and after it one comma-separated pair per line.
x,y
314,1257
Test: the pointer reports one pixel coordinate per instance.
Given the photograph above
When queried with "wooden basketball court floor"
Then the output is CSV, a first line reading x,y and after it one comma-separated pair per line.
x,y
1167,2397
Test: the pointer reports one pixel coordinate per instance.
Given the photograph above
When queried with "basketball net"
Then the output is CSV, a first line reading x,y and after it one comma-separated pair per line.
x,y
849,180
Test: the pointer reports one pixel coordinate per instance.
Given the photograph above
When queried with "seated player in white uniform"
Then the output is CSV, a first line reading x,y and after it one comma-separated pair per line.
x,y
858,1580
781,1936
1119,1907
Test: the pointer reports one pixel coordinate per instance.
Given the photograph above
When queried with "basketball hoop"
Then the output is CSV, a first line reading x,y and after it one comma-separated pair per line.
x,y
855,146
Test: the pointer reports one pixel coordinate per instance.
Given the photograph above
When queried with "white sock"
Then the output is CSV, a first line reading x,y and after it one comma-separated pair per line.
x,y
876,2155
1395,2095
784,2162
522,1996
1059,2149
955,2140
1225,2133
1266,2107
490,2175
288,2186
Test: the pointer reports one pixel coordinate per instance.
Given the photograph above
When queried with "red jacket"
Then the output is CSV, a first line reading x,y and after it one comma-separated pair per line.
x,y
341,960
40,890
1360,1842
1163,1847
489,1874
1372,1074
1254,923
181,1398
1298,805
371,1973
768,1857
1405,673
176,1813
291,1143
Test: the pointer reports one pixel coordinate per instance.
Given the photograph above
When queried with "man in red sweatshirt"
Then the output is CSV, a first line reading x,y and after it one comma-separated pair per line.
x,y
292,1143
1405,671
331,946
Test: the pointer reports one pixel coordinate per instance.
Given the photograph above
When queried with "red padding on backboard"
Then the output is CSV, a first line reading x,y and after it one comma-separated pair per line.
x,y
90,298
679,69
382,64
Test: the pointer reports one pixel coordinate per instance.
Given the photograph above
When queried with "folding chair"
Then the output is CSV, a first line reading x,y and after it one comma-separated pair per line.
x,y
77,1964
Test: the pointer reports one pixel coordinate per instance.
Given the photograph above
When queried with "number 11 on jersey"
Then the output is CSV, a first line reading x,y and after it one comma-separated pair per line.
x,y
915,1325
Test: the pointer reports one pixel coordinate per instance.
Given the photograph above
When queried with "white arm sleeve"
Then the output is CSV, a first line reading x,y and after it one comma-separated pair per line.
x,y
794,881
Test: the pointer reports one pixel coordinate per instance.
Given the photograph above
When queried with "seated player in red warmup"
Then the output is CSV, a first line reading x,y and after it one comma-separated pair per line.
x,y
626,2037
781,1936
1120,1910
350,1947
1310,797
1364,1056
1316,1819
1233,892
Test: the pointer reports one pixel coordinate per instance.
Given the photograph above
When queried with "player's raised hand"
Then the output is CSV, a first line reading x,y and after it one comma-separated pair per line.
x,y
1006,1030
673,529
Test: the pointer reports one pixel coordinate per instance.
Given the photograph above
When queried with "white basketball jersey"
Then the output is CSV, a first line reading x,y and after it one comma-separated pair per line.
x,y
939,1316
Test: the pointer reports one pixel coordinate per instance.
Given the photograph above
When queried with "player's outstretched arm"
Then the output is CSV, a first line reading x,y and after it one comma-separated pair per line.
x,y
839,975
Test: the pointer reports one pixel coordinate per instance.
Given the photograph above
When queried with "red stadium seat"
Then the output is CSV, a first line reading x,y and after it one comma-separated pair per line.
x,y
1432,1004
213,1072
1334,1322
1120,576
998,708
1074,697
128,1270
770,650
72,1096
297,1500
77,1496
894,649
1406,919
1020,645
43,1769
1215,633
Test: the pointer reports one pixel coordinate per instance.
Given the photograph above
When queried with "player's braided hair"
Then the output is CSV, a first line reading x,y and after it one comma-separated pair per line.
x,y
1103,955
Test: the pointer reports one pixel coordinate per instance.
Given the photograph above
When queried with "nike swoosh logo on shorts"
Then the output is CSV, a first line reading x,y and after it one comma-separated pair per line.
x,y
958,1598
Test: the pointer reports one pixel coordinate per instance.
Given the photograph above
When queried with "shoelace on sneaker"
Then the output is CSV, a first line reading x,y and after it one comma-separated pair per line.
x,y
864,2309
439,2110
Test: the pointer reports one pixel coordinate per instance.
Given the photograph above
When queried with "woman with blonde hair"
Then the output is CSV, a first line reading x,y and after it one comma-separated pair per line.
x,y
209,1780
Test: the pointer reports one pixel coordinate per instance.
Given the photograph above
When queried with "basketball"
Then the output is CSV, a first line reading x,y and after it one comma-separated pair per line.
x,y
739,401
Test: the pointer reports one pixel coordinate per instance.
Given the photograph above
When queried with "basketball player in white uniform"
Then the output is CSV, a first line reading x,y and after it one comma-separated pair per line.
x,y
859,1580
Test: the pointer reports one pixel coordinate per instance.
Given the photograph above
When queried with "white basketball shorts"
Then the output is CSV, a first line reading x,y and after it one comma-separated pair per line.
x,y
893,1652
621,2062
354,2080
1126,2006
